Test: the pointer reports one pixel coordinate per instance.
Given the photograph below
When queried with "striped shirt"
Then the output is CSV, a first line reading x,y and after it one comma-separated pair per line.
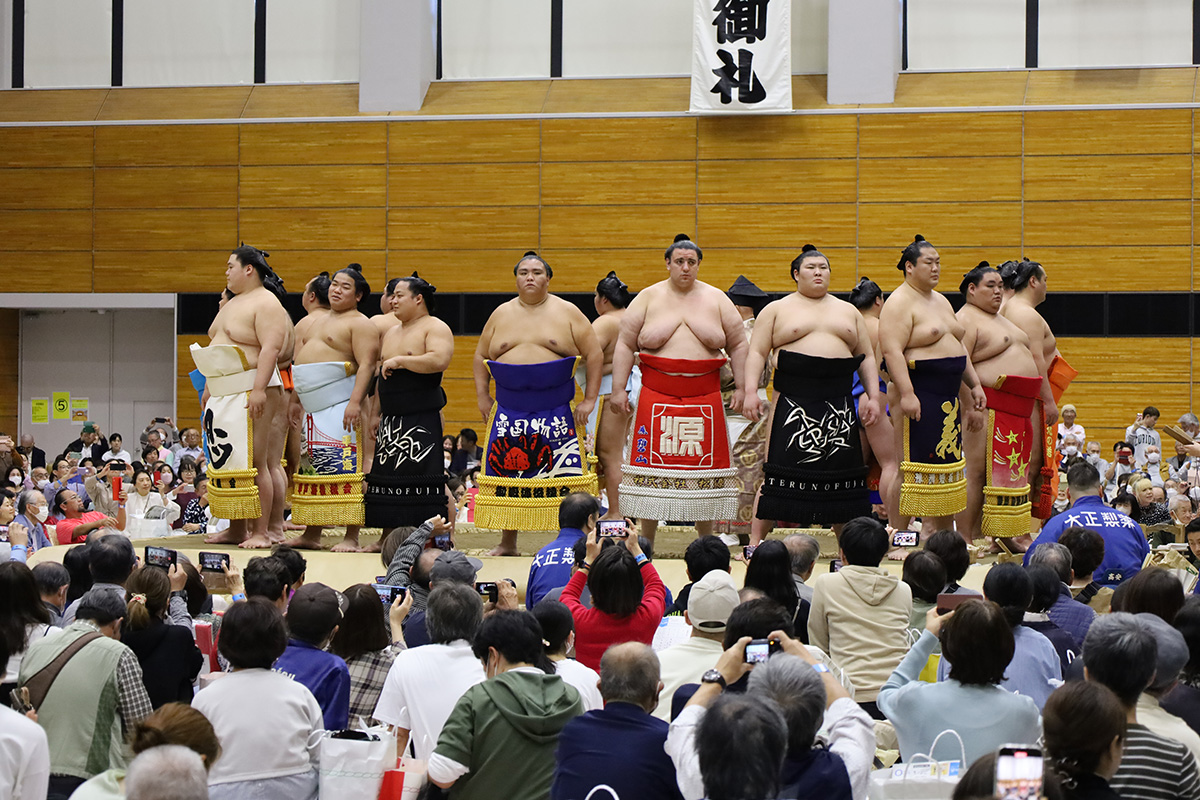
x,y
1155,768
367,674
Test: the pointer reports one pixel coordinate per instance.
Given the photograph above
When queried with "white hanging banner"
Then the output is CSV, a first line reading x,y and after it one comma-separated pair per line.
x,y
742,55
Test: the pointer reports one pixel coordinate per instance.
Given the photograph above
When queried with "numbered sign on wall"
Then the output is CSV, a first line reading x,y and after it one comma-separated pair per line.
x,y
742,55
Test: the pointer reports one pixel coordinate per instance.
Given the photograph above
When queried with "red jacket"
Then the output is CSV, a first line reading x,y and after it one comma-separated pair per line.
x,y
596,631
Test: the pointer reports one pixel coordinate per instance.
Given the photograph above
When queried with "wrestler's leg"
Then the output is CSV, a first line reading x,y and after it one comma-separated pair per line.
x,y
649,528
309,540
610,445
264,449
292,452
507,546
349,543
279,431
970,525
236,533
882,439
370,413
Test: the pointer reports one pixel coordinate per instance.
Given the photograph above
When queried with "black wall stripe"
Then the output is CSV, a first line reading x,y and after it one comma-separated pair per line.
x,y
438,46
260,41
1196,31
118,42
556,38
904,34
18,44
1031,34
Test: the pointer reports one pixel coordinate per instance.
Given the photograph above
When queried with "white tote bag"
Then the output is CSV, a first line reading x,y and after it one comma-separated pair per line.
x,y
922,778
355,767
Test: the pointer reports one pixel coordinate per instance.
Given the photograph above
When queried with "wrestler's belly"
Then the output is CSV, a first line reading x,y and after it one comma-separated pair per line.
x,y
251,351
319,352
1012,361
683,343
822,345
946,347
528,353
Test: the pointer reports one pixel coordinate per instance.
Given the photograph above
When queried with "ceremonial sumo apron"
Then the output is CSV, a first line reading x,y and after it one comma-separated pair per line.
x,y
328,488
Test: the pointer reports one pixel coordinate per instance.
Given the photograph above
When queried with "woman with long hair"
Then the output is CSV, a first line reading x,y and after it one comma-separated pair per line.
x,y
168,654
770,571
24,619
558,636
362,640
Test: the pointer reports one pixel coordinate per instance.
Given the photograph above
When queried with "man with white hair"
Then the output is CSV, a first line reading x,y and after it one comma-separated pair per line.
x,y
804,550
167,772
1180,506
1066,612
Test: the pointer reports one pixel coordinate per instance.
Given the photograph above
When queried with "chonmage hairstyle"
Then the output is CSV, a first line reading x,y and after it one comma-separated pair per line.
x,y
1017,274
531,255
614,290
253,257
865,293
319,286
912,252
361,287
683,242
419,286
806,252
976,275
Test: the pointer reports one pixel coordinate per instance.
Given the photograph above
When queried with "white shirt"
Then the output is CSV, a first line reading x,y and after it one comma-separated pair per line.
x,y
422,688
24,757
13,668
684,663
584,679
137,506
1151,714
109,455
266,722
1076,430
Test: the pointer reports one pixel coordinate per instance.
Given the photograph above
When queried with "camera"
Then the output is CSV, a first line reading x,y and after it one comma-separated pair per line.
x,y
759,650
488,590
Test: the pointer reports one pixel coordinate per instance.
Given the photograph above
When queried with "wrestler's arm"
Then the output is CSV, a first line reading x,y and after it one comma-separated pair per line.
x,y
868,371
758,351
364,341
1036,331
622,364
895,327
969,377
974,415
483,377
589,348
439,349
269,330
735,347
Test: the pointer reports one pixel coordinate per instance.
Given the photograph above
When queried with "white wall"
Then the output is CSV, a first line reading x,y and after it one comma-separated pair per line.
x,y
185,43
497,38
312,40
122,361
5,44
67,43
967,34
1104,33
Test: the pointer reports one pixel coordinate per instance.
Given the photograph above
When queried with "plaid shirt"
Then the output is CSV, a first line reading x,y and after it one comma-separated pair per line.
x,y
367,673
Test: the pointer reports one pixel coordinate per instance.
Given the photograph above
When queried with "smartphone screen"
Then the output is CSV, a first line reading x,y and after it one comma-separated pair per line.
x,y
488,590
904,539
949,602
387,593
160,557
443,542
611,528
213,562
1018,773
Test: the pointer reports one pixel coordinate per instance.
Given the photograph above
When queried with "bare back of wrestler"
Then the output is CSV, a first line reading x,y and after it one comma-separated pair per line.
x,y
918,323
815,323
613,421
255,321
995,347
680,317
534,327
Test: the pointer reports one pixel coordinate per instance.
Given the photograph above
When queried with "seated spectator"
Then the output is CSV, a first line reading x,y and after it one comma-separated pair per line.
x,y
66,476
860,614
1184,700
1034,669
452,566
1084,729
702,555
1066,612
551,567
197,516
184,490
1154,590
268,578
99,486
468,454
267,724
1125,546
1120,467
1153,512
169,772
74,524
1170,656
425,683
1045,593
978,641
558,634
32,512
770,571
952,550
628,598
24,620
24,751
115,451
618,744
53,583
1182,511
294,561
110,560
168,654
1068,425
499,740
172,724
190,446
1063,500
925,575
15,546
77,563
154,441
1120,653
579,554
1071,448
804,550
412,559
16,478
142,502
710,602
97,694
313,616
362,641
34,455
1087,550
979,781
90,444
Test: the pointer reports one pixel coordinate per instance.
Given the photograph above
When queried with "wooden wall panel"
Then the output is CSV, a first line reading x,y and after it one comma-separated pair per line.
x,y
514,228
798,181
140,270
619,183
208,102
319,186
298,267
934,135
45,271
777,225
1105,132
1126,359
1096,223
10,354
879,263
770,268
629,226
166,145
166,187
313,228
46,147
744,137
282,144
469,141
955,224
1108,177
1058,86
147,229
1091,269
898,180
45,188
619,140
46,230
462,185
469,270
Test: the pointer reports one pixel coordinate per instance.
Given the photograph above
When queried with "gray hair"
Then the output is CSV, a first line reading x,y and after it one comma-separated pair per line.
x,y
454,611
1122,654
1189,419
1055,556
741,743
167,772
629,673
102,605
25,497
803,549
798,691
1180,500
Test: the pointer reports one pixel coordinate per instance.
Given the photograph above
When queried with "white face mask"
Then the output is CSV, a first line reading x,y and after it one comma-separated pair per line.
x,y
1070,450
43,483
40,513
1153,457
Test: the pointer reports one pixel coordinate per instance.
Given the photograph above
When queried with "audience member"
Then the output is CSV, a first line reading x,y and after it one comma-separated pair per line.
x,y
110,560
53,583
804,550
1125,546
189,445
197,515
1141,434
362,641
267,724
34,455
499,740
551,567
1153,590
468,454
1045,592
172,724
1171,656
168,772
860,614
294,561
1120,653
1068,425
979,781
90,444
314,615
97,693
949,546
24,620
558,634
618,744
115,451
1184,700
453,566
412,559
424,684
65,475
1087,553
702,555
24,751
1084,728
168,654
74,524
1072,616
710,602
1153,512
32,512
77,562
1119,468
268,578
99,487
925,575
977,640
770,571
628,598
